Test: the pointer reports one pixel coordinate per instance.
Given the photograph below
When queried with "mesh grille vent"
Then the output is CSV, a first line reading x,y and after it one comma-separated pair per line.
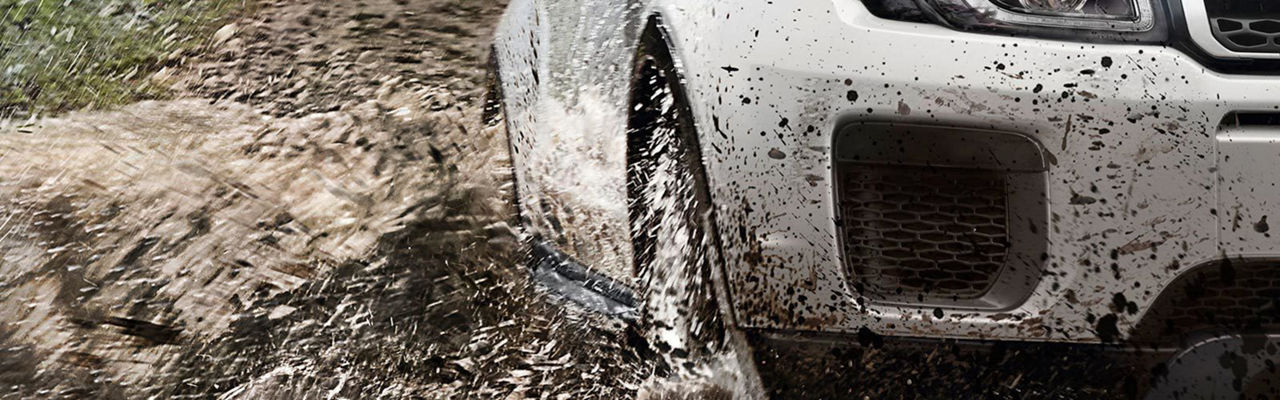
x,y
1253,35
924,232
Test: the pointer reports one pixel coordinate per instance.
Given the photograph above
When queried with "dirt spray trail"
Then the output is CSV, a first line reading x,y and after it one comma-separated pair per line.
x,y
325,216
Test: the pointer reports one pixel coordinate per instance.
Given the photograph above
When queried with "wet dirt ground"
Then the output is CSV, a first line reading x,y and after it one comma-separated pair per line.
x,y
322,214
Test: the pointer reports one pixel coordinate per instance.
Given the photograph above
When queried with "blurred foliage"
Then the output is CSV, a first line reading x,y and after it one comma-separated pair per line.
x,y
59,55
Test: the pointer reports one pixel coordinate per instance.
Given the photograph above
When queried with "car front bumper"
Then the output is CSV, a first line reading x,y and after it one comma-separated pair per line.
x,y
1143,183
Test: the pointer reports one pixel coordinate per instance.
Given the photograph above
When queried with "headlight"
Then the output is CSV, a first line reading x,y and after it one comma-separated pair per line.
x,y
1110,15
1104,20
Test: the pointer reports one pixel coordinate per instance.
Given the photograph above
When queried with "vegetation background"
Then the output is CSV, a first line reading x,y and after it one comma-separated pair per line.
x,y
60,55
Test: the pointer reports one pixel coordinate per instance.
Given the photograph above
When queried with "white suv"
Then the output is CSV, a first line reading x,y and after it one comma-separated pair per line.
x,y
1090,172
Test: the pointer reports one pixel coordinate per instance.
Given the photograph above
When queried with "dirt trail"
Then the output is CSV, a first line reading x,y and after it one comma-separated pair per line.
x,y
324,217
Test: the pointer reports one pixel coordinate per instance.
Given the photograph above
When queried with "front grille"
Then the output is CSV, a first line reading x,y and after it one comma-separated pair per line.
x,y
1224,298
1248,35
1251,26
924,233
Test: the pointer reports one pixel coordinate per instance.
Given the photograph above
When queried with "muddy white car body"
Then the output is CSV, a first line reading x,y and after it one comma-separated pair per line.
x,y
1119,168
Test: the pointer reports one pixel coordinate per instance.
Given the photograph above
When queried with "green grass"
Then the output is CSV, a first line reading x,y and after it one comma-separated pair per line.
x,y
59,55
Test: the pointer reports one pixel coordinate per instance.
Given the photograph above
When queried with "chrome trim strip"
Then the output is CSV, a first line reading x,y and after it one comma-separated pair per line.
x,y
1202,33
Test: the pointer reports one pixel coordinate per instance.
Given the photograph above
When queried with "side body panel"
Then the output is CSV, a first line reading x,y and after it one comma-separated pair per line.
x,y
565,65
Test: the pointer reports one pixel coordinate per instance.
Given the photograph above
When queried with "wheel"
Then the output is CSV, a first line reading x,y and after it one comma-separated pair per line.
x,y
677,258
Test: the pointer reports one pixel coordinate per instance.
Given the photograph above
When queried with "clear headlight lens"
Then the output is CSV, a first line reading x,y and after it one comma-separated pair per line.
x,y
1097,15
1110,9
1051,5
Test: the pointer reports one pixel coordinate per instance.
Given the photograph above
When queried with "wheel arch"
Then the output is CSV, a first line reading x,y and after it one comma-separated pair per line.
x,y
658,29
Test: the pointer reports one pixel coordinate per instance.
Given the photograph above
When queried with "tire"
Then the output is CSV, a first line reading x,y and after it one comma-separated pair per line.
x,y
676,252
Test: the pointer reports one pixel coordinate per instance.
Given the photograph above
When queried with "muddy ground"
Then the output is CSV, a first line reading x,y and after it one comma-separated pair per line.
x,y
321,214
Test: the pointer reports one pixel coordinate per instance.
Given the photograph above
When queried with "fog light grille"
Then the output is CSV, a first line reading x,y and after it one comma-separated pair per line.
x,y
1224,298
922,233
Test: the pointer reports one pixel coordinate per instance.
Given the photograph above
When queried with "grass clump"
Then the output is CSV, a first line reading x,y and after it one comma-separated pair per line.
x,y
59,55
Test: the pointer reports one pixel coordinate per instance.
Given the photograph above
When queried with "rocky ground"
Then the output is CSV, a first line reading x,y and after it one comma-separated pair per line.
x,y
322,215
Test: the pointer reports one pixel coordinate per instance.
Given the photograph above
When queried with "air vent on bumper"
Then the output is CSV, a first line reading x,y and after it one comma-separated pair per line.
x,y
939,216
1247,26
1248,35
